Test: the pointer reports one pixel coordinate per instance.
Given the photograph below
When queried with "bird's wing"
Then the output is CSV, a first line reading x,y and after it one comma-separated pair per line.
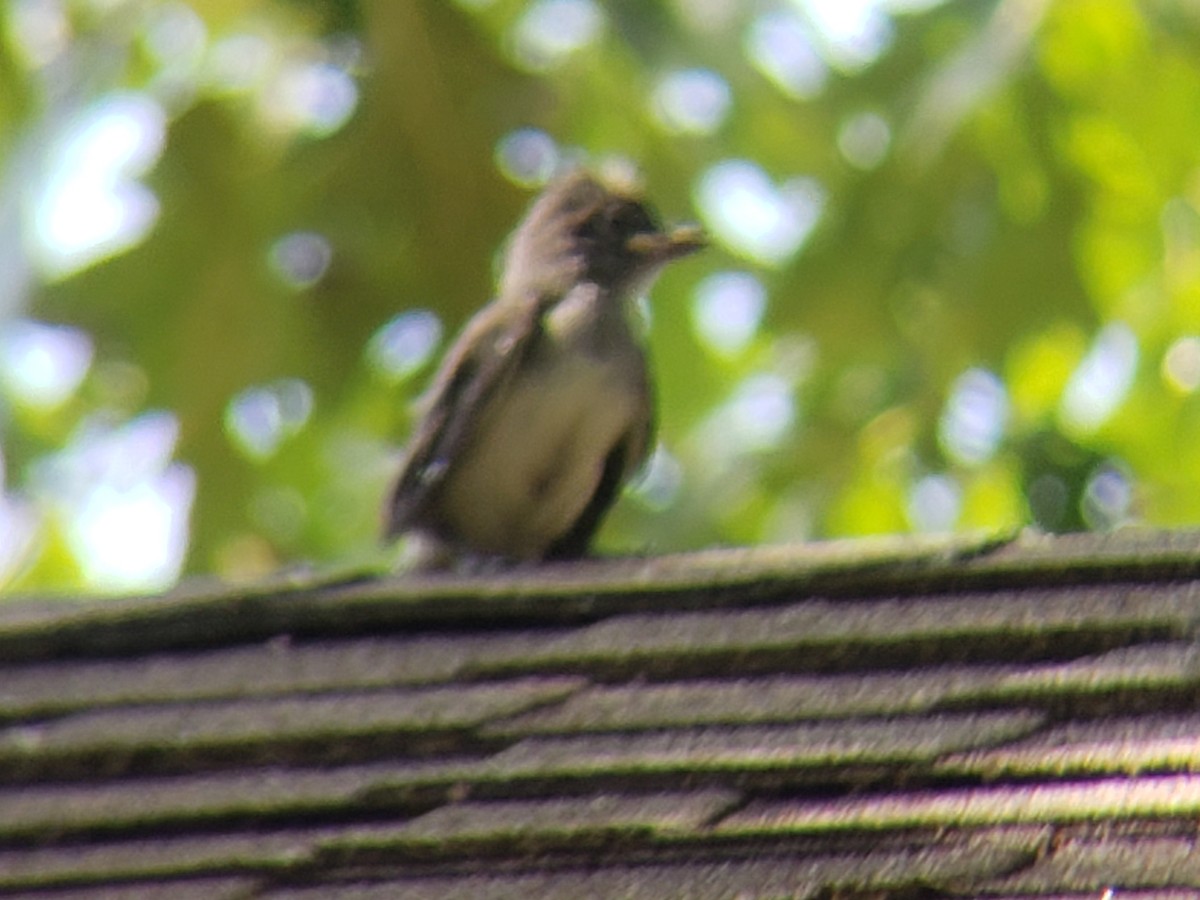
x,y
642,435
482,359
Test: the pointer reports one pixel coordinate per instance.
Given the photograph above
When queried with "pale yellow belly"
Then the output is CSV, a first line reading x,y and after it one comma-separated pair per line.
x,y
538,456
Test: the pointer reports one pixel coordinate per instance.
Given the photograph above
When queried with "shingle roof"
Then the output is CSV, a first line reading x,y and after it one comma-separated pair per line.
x,y
886,719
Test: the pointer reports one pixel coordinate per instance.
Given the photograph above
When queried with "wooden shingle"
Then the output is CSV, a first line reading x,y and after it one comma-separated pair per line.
x,y
897,718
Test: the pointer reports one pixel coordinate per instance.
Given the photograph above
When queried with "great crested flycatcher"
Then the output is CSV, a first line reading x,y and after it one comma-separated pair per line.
x,y
544,405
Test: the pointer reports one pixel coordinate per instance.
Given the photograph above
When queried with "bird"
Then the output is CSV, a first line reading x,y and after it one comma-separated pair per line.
x,y
543,407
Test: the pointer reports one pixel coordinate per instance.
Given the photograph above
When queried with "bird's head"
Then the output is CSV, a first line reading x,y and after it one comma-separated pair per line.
x,y
582,229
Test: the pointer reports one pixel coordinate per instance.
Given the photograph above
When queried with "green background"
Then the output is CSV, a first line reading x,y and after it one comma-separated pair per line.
x,y
1021,226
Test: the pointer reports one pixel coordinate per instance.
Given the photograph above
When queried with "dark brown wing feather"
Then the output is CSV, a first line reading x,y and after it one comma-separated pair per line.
x,y
482,359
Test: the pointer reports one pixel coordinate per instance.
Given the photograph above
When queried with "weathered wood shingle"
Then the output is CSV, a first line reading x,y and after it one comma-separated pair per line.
x,y
899,718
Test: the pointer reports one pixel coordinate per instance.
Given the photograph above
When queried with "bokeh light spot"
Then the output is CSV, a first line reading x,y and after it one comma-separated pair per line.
x,y
239,62
1107,498
404,344
934,504
552,30
660,481
757,416
176,37
91,205
260,418
762,411
1181,364
124,502
751,216
300,259
1101,381
727,310
975,417
863,140
527,156
780,47
135,538
18,535
40,30
691,101
314,98
41,366
853,33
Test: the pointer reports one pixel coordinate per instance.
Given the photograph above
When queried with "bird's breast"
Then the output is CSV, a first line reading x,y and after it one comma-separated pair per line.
x,y
538,451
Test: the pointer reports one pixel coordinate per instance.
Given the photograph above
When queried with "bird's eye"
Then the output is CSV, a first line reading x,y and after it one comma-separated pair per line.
x,y
633,219
591,227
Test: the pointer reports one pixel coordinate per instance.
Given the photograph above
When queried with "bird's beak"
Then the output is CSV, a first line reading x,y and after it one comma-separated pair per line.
x,y
663,246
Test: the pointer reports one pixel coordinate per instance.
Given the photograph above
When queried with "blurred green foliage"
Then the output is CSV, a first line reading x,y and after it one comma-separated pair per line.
x,y
992,323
